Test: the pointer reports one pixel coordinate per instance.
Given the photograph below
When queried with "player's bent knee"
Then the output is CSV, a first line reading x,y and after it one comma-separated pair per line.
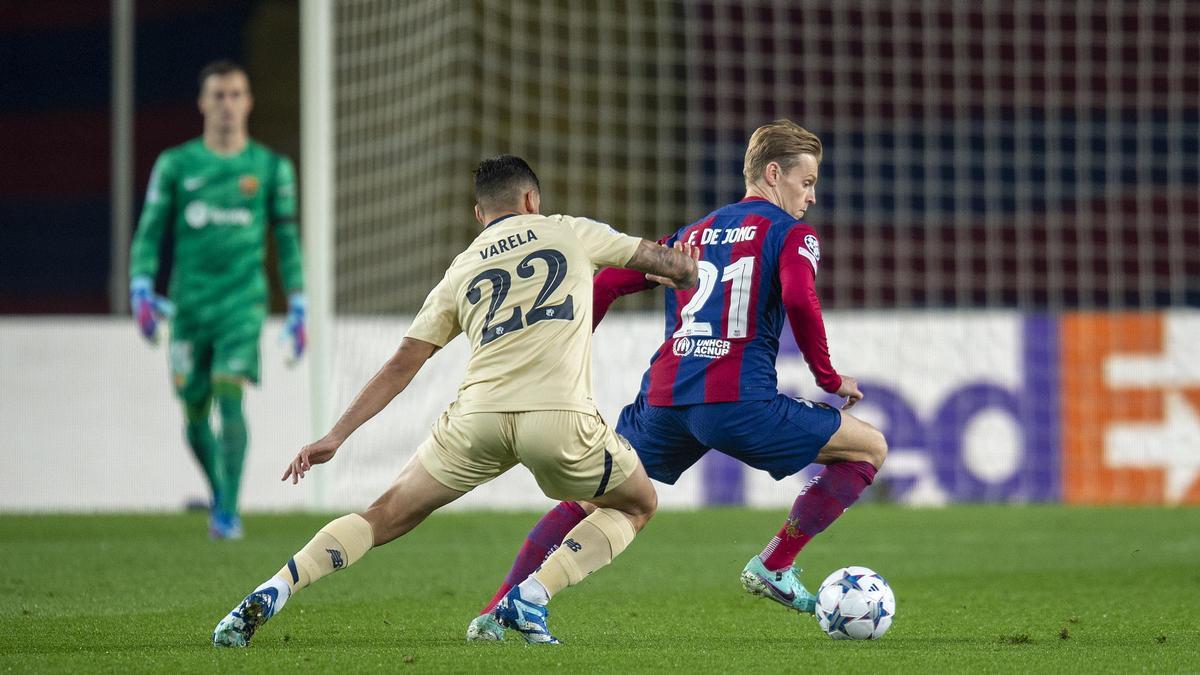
x,y
877,450
643,510
873,448
855,441
646,494
636,498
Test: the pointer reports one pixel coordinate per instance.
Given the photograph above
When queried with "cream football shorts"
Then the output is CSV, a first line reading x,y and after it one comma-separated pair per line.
x,y
572,455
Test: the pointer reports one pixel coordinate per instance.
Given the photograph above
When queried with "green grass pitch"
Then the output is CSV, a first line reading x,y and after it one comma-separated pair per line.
x,y
979,589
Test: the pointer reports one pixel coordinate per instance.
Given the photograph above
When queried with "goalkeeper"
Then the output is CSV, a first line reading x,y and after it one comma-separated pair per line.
x,y
219,195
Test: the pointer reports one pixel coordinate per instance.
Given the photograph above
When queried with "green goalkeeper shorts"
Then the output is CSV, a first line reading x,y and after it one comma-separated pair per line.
x,y
200,352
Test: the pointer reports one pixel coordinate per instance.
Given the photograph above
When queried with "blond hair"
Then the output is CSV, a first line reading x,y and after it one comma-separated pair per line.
x,y
782,142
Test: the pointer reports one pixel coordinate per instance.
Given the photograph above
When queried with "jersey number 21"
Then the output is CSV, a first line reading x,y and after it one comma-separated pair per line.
x,y
741,273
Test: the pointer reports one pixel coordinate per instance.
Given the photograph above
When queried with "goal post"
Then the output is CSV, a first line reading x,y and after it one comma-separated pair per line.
x,y
318,209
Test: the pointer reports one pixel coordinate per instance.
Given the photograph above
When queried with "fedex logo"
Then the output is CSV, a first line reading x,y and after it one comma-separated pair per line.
x,y
1082,408
967,403
1131,408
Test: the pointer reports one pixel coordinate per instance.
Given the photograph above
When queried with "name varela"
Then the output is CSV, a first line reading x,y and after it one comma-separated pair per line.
x,y
508,243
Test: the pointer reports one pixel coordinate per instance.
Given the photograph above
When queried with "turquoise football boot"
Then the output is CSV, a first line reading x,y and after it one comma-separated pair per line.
x,y
783,586
484,628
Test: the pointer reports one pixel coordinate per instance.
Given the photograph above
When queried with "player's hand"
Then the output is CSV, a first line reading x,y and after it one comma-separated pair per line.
x,y
850,391
690,250
294,331
148,309
309,456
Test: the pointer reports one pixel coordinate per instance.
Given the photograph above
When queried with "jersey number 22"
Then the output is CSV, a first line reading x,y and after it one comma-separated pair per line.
x,y
556,271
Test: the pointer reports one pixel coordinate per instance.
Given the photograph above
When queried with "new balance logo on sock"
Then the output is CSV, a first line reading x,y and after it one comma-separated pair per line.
x,y
336,556
573,545
809,485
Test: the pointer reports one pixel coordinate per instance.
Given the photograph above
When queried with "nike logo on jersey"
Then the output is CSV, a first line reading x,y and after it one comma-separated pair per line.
x,y
194,183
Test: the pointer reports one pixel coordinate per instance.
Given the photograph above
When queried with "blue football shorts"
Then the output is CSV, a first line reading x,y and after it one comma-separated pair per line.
x,y
780,436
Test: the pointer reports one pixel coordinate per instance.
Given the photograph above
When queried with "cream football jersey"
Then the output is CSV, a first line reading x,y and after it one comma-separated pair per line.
x,y
522,293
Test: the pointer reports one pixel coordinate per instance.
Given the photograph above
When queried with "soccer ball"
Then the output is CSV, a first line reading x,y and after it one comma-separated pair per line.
x,y
855,603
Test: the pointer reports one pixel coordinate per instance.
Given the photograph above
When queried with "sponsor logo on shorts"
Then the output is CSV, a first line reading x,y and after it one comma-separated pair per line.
x,y
706,348
624,442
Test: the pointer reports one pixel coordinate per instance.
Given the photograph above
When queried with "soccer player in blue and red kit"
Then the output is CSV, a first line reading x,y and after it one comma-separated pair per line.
x,y
712,382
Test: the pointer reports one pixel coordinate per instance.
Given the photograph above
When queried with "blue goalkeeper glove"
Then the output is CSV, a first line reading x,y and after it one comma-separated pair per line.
x,y
293,330
148,309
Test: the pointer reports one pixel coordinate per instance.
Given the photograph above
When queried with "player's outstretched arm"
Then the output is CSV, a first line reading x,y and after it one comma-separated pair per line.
x,y
612,283
672,267
391,379
616,282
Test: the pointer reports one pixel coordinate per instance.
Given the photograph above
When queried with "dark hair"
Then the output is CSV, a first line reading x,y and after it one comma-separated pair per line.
x,y
219,67
500,180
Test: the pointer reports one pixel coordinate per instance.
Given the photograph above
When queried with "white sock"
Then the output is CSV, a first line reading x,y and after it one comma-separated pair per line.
x,y
533,591
283,591
770,548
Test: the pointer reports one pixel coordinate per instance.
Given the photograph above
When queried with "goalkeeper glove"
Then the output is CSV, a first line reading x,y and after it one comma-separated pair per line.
x,y
148,309
293,330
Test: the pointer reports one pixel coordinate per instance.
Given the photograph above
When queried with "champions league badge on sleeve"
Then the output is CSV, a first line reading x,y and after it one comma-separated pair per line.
x,y
813,246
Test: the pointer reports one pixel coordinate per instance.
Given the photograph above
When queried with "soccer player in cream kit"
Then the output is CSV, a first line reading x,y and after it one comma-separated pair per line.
x,y
522,294
712,382
220,195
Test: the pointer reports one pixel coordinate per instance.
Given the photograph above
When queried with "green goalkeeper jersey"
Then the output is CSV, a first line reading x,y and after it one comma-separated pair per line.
x,y
219,208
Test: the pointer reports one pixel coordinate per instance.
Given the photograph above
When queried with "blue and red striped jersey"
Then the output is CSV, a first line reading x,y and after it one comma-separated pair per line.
x,y
722,336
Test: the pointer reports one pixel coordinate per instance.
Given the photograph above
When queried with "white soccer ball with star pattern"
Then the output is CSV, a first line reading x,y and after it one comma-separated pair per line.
x,y
855,603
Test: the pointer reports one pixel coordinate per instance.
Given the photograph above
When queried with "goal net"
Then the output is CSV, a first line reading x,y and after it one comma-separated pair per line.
x,y
1008,209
